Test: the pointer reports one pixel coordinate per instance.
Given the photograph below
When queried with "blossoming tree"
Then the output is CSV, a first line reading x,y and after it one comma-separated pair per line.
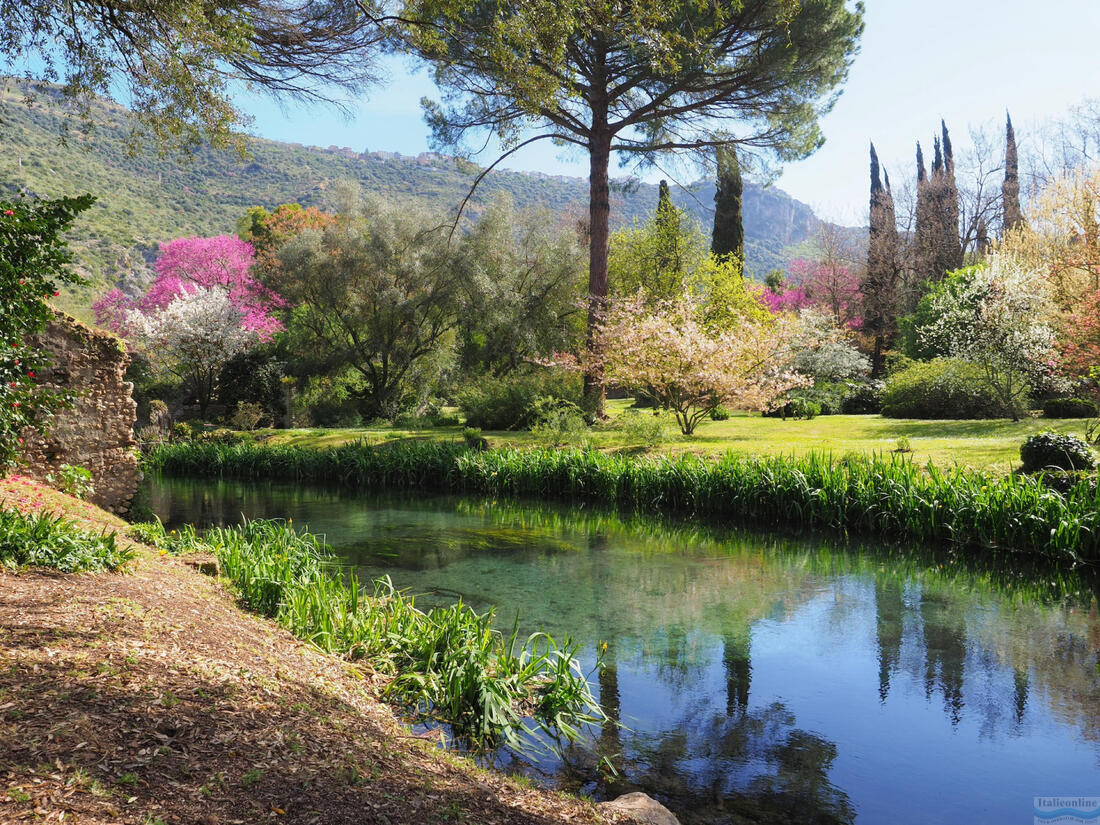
x,y
996,319
691,368
204,308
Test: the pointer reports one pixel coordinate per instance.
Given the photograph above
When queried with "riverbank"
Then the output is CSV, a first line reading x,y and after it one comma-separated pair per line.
x,y
150,697
992,445
887,498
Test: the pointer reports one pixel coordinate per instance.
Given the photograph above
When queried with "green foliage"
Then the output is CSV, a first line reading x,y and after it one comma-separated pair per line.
x,y
449,665
508,403
656,257
472,438
881,497
644,428
728,236
863,398
33,264
719,413
247,416
822,398
1070,408
1056,451
74,480
555,421
945,388
379,294
46,540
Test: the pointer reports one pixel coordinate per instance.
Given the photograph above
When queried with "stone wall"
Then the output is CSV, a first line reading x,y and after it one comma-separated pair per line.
x,y
97,431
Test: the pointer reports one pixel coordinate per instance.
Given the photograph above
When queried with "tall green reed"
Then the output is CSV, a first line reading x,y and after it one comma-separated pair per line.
x,y
879,496
449,665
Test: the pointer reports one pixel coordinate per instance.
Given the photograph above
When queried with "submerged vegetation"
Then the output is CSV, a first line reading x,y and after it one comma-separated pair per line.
x,y
448,665
885,497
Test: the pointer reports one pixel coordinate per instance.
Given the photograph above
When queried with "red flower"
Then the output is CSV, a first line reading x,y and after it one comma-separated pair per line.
x,y
8,212
30,373
56,294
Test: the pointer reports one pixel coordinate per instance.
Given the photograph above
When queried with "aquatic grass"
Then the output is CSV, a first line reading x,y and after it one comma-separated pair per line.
x,y
887,496
46,540
449,665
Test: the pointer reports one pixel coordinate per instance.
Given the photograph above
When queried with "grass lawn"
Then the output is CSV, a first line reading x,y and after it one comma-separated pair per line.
x,y
993,445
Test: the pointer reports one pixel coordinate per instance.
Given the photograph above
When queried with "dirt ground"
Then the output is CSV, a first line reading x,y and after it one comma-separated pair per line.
x,y
149,697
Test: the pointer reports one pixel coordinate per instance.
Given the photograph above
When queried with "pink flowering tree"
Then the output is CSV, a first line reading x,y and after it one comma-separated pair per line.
x,y
204,308
831,287
691,368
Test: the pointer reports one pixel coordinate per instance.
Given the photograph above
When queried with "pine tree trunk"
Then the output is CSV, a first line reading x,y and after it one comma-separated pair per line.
x,y
599,218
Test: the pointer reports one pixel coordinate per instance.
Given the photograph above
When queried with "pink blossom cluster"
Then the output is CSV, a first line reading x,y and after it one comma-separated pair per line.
x,y
189,265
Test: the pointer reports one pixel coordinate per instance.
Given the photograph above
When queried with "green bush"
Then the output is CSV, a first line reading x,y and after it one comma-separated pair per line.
x,y
1070,408
74,480
865,398
643,428
507,403
45,540
556,421
719,413
1048,450
945,388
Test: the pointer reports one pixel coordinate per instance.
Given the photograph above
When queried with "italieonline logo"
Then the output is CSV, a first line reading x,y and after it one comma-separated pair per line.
x,y
1067,809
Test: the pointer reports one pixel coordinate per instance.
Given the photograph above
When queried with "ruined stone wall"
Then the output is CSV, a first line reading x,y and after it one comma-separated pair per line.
x,y
97,431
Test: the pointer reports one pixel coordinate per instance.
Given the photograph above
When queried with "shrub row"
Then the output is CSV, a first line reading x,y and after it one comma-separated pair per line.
x,y
946,388
448,665
887,497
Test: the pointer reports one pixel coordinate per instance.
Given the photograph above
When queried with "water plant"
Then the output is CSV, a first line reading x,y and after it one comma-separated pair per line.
x,y
449,665
882,496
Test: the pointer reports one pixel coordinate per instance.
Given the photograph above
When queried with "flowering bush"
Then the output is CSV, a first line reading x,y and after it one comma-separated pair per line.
x,y
690,369
33,262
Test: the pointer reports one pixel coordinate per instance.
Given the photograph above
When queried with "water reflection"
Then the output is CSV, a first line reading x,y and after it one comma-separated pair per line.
x,y
756,678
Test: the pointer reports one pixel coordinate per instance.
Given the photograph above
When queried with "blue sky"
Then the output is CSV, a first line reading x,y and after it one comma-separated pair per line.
x,y
966,61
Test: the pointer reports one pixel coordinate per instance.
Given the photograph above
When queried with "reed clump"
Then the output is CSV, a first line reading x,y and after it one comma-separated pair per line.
x,y
882,496
448,665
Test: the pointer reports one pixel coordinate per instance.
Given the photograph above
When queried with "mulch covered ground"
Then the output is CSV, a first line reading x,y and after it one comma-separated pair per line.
x,y
149,697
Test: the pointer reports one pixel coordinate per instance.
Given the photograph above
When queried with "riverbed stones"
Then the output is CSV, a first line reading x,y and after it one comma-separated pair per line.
x,y
97,431
643,808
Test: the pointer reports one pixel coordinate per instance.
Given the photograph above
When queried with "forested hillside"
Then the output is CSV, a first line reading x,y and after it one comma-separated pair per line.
x,y
146,199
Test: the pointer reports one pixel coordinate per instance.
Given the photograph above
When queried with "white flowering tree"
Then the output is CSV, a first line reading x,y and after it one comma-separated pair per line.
x,y
996,318
192,337
666,350
824,351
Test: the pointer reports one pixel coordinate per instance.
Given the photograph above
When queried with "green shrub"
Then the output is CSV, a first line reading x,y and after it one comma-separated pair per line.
x,y
945,388
1055,451
719,413
556,421
1070,408
474,439
506,403
45,540
247,416
797,407
865,398
73,480
643,428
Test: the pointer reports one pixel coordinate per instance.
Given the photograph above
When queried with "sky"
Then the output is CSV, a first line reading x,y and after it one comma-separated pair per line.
x,y
965,61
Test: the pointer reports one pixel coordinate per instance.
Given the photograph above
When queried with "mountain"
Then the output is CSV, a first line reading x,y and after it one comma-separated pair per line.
x,y
146,198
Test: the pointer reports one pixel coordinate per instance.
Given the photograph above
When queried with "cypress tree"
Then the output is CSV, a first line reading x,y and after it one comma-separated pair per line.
x,y
1010,189
668,253
728,236
880,283
949,207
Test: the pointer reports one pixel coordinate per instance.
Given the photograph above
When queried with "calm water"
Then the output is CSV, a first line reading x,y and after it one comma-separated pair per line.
x,y
757,678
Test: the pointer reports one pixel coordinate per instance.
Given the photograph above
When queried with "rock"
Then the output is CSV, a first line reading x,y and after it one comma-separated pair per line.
x,y
205,564
642,808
